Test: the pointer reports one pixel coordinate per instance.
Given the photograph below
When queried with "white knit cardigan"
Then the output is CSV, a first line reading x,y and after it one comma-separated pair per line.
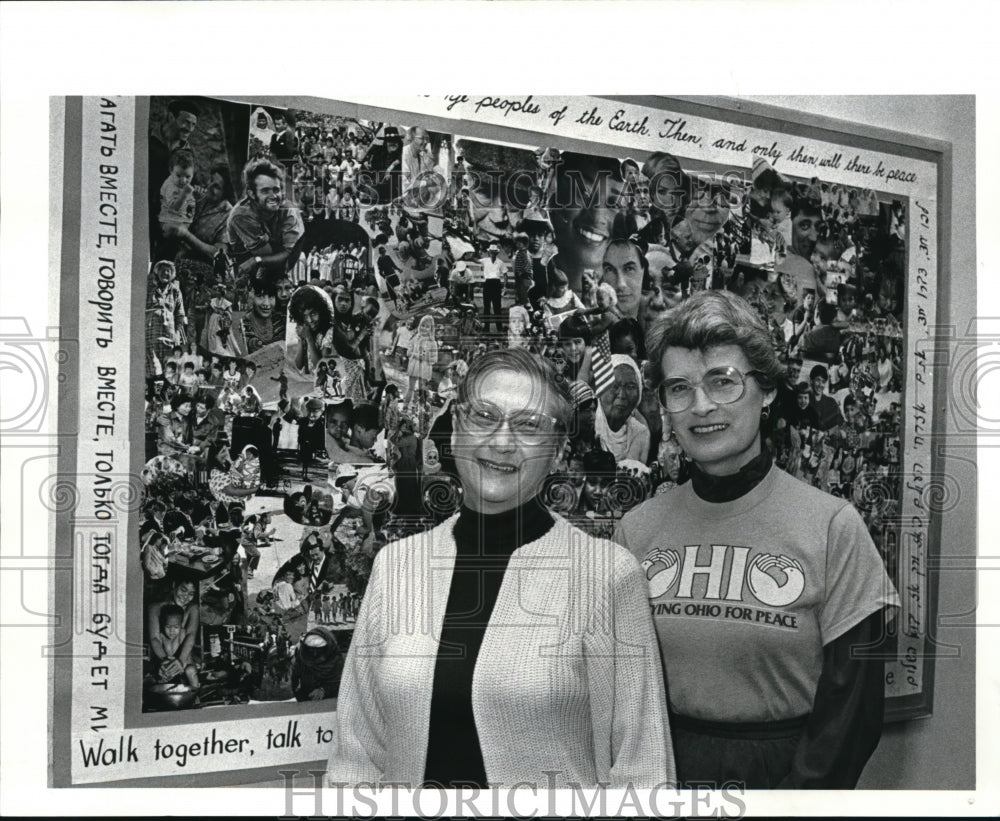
x,y
568,686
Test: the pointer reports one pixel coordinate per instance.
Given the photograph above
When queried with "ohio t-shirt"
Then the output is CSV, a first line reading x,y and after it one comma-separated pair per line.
x,y
745,594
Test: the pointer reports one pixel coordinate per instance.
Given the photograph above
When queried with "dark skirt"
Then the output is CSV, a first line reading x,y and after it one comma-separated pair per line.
x,y
753,755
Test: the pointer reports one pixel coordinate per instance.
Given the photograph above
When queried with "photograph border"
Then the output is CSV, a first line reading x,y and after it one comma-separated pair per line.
x,y
730,110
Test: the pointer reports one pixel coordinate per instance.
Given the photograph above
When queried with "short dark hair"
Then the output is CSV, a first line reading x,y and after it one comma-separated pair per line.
x,y
168,610
711,318
807,205
827,312
555,275
640,252
180,104
181,157
260,167
575,327
344,405
599,462
222,170
627,326
784,196
366,415
264,286
819,370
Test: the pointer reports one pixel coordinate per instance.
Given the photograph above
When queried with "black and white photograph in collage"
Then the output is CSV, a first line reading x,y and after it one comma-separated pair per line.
x,y
319,286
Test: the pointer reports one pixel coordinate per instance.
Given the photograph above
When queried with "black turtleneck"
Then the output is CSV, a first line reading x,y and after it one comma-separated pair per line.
x,y
484,544
726,488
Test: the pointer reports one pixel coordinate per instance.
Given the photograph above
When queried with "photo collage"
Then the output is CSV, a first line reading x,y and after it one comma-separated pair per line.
x,y
319,286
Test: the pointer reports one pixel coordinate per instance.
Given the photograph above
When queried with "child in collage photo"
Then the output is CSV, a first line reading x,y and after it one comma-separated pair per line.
x,y
309,329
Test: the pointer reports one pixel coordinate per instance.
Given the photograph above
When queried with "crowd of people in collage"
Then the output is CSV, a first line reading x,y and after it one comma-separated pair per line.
x,y
318,288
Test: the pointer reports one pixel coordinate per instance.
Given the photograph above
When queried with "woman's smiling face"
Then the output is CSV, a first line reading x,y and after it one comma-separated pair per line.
x,y
311,319
498,471
583,215
720,439
263,304
184,594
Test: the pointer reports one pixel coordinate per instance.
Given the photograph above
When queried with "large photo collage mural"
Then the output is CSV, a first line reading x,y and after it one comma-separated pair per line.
x,y
318,287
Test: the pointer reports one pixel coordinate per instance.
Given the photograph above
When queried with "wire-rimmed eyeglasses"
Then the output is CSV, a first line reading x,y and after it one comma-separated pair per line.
x,y
722,386
529,427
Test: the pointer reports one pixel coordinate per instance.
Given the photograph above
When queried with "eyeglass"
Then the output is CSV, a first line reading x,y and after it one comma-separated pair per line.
x,y
721,385
530,427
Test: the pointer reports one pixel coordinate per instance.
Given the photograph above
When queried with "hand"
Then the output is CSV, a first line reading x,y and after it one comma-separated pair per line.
x,y
766,587
247,266
171,668
317,694
634,471
660,581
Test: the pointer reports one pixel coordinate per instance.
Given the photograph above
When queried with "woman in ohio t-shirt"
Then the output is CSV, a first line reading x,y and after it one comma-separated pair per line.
x,y
760,586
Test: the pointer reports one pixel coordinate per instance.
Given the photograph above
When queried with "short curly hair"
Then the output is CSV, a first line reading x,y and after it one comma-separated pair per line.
x,y
260,167
309,298
708,319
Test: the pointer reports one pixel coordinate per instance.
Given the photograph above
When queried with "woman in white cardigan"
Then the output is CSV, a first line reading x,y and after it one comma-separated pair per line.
x,y
504,646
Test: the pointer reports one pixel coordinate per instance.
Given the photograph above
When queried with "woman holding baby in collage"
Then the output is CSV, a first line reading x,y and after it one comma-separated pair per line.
x,y
626,444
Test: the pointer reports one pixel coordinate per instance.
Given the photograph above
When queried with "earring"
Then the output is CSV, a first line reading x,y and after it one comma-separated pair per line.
x,y
765,412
